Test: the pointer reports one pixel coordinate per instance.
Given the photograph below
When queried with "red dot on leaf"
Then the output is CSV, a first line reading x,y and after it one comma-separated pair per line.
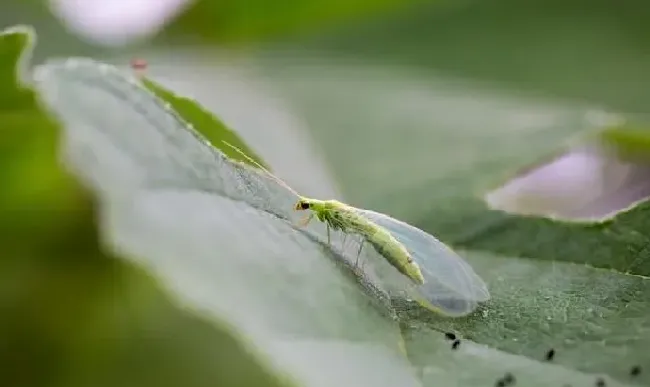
x,y
138,64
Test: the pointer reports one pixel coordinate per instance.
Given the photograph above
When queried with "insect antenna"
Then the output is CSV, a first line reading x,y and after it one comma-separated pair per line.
x,y
258,165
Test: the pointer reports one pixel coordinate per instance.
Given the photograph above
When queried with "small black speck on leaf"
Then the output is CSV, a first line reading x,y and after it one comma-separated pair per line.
x,y
635,371
455,344
550,354
600,382
509,378
450,336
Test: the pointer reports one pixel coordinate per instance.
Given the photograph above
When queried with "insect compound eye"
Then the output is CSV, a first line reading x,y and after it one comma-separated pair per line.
x,y
301,205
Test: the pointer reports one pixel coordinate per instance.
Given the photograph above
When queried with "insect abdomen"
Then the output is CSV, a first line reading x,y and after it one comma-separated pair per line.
x,y
395,253
383,241
389,247
379,238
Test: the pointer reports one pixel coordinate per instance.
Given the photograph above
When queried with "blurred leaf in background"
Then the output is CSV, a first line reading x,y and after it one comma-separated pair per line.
x,y
580,49
230,22
245,22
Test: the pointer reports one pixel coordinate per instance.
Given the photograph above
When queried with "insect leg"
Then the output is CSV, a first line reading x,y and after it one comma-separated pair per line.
x,y
328,233
306,220
359,252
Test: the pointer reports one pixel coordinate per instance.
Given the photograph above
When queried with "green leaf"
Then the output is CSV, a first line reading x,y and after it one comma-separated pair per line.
x,y
73,315
629,143
219,234
427,150
204,122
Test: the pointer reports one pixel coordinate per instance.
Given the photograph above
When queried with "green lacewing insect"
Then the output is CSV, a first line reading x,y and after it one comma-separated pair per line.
x,y
446,282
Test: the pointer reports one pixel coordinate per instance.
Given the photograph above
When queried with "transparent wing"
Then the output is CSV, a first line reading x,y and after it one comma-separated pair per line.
x,y
451,285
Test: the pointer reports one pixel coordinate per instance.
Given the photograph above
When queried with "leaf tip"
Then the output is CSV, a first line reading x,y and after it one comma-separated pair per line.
x,y
21,39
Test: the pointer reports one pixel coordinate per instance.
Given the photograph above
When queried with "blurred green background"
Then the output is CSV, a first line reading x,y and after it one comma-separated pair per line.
x,y
74,316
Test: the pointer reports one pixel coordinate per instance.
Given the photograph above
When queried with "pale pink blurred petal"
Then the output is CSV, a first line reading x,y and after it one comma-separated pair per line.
x,y
586,183
116,22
